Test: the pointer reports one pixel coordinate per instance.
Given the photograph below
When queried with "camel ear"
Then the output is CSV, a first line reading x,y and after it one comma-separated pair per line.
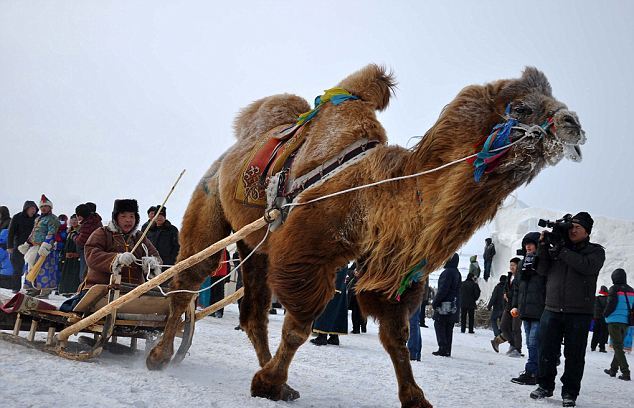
x,y
535,79
372,84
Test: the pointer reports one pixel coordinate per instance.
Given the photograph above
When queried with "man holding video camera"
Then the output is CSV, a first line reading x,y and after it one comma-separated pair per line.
x,y
571,264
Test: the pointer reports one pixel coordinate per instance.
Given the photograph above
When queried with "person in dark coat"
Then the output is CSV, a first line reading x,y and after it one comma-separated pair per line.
x,y
333,321
496,305
446,305
19,230
510,326
359,322
617,310
69,281
164,236
528,303
151,212
469,295
5,218
89,221
600,331
425,302
489,253
572,268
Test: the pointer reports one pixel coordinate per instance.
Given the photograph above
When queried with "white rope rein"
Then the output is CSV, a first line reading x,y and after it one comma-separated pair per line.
x,y
349,190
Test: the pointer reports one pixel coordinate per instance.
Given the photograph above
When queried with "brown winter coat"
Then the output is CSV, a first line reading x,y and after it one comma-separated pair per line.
x,y
103,246
88,225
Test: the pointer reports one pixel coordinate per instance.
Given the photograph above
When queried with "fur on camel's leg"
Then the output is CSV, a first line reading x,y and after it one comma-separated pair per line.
x,y
162,352
393,320
256,302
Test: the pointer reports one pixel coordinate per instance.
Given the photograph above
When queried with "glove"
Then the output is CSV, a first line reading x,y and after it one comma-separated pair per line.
x,y
24,248
151,262
125,259
45,249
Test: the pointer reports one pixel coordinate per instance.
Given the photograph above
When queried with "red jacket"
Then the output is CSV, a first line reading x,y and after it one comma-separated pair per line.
x,y
87,227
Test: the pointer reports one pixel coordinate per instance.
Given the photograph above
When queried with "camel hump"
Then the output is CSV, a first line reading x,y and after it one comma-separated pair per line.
x,y
372,84
266,113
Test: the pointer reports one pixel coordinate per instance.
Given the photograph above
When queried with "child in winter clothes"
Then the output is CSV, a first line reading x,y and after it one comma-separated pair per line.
x,y
620,301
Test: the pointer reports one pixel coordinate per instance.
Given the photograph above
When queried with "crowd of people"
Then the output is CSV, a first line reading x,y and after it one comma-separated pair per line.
x,y
548,291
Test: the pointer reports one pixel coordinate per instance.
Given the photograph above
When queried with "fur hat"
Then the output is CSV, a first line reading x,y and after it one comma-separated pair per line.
x,y
126,205
91,206
44,201
82,210
585,220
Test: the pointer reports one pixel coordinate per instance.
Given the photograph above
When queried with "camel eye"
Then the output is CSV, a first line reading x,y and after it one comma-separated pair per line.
x,y
523,110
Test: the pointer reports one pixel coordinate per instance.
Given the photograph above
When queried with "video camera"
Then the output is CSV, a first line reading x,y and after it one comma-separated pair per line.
x,y
557,237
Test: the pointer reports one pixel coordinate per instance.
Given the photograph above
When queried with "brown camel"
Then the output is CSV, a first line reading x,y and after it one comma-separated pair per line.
x,y
390,227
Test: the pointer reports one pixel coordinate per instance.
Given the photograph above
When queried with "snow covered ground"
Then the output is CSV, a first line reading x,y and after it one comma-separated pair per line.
x,y
218,373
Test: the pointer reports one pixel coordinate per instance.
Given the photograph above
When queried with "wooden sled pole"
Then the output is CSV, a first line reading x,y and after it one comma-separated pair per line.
x,y
220,304
174,270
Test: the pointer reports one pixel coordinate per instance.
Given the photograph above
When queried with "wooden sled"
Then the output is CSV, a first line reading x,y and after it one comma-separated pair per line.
x,y
112,311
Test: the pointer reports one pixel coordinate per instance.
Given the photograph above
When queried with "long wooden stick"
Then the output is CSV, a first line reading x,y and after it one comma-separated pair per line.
x,y
179,267
156,214
220,304
32,275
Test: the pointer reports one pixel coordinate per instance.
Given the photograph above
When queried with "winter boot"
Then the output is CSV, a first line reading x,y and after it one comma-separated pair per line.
x,y
568,400
525,378
514,353
364,328
610,372
333,339
625,376
320,340
495,343
541,393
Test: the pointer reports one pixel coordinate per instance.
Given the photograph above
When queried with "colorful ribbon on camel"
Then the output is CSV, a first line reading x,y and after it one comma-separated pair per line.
x,y
499,137
413,275
334,95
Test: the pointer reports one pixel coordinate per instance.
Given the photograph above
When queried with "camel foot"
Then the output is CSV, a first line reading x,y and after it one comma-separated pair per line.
x,y
157,359
417,402
275,392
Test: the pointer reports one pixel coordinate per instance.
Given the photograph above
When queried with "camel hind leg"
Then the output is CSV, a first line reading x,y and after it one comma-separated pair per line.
x,y
393,320
203,225
255,305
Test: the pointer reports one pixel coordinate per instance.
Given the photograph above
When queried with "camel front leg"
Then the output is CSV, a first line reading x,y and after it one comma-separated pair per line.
x,y
393,320
270,381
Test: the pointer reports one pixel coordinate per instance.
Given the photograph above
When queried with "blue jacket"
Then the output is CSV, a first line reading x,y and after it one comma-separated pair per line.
x,y
616,310
6,269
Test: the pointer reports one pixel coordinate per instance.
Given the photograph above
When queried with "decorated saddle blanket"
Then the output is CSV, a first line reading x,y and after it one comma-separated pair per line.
x,y
266,159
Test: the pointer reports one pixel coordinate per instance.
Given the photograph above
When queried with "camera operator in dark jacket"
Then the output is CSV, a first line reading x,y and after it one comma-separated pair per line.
x,y
528,303
572,269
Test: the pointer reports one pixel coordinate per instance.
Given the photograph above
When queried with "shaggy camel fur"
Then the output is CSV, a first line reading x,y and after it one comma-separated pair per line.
x,y
388,227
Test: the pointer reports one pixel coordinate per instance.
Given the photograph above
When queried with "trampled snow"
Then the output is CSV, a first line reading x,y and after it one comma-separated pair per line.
x,y
218,371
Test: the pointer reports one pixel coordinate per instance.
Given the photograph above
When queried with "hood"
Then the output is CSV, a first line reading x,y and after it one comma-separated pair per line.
x,y
453,262
473,258
531,237
28,204
619,277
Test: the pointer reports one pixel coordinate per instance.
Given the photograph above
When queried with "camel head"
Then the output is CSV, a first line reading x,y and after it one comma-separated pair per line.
x,y
546,130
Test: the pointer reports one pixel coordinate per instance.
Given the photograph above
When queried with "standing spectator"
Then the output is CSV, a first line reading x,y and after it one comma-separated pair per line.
x,y
423,305
333,321
600,331
510,326
89,221
489,253
151,212
218,281
5,218
528,303
164,236
60,245
235,262
469,295
496,305
474,266
70,271
40,244
6,269
571,268
617,315
19,231
446,305
415,342
359,321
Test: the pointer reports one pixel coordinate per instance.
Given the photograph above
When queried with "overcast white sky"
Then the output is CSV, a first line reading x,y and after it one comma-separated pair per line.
x,y
111,99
